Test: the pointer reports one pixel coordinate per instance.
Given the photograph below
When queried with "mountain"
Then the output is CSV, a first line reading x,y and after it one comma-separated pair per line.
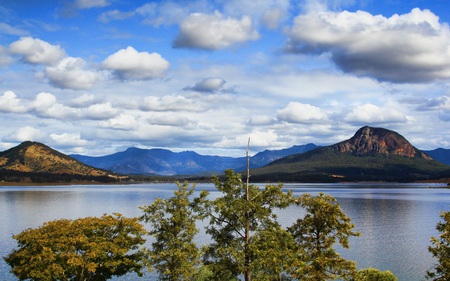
x,y
161,162
165,162
440,154
372,154
42,163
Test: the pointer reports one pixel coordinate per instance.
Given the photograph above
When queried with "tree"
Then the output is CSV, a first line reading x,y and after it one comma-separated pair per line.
x,y
373,274
83,249
441,250
173,254
315,234
240,222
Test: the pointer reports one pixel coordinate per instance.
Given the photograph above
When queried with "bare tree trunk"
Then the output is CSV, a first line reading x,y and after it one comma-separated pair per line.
x,y
248,274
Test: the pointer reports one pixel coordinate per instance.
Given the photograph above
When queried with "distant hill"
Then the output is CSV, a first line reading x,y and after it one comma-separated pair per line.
x,y
440,154
372,154
136,161
37,162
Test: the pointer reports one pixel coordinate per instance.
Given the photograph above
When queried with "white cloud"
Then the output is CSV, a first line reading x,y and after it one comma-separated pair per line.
x,y
27,133
46,105
101,111
296,112
172,103
261,120
372,114
67,139
70,73
37,51
412,47
10,103
124,122
170,120
129,64
214,32
207,85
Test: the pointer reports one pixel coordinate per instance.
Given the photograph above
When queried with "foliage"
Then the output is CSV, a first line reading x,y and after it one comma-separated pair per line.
x,y
373,274
240,222
83,249
315,234
441,250
174,254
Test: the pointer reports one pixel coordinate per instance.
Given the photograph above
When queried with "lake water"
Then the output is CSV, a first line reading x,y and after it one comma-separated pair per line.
x,y
395,221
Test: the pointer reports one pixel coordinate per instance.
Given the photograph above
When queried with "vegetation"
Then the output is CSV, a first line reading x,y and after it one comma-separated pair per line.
x,y
441,250
326,165
241,221
315,234
174,254
373,274
83,249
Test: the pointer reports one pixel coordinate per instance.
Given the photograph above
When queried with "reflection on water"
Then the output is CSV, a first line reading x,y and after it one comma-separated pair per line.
x,y
395,224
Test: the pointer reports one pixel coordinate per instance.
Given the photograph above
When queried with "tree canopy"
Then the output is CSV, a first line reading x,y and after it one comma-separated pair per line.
x,y
89,248
441,250
173,254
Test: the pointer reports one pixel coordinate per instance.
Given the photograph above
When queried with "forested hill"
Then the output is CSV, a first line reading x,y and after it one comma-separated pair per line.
x,y
36,162
372,154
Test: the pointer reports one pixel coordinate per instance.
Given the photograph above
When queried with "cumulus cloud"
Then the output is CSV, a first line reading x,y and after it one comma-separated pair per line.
x,y
101,111
207,85
372,114
27,133
296,112
412,47
129,64
172,103
46,105
36,51
66,139
214,32
10,103
70,73
272,17
124,122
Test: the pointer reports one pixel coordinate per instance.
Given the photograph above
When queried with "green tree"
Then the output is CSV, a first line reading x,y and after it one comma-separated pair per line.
x,y
83,249
240,222
173,254
373,274
441,250
315,234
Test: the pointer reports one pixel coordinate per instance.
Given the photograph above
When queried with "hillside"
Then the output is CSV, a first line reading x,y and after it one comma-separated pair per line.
x,y
372,154
38,162
440,154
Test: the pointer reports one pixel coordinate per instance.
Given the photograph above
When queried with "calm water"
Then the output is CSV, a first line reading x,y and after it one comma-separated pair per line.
x,y
395,221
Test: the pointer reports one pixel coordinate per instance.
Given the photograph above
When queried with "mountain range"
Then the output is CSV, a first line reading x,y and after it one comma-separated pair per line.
x,y
165,162
371,154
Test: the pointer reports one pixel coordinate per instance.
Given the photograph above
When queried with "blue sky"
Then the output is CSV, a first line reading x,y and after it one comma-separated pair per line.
x,y
98,76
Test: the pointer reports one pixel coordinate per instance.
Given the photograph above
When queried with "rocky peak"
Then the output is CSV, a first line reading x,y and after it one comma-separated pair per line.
x,y
373,141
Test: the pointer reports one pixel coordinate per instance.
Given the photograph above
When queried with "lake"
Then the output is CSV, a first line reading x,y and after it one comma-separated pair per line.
x,y
396,221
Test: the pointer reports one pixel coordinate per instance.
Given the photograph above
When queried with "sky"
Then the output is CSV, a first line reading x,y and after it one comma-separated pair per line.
x,y
96,77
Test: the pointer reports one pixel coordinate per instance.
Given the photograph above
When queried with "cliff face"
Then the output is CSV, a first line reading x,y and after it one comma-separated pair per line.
x,y
371,141
38,158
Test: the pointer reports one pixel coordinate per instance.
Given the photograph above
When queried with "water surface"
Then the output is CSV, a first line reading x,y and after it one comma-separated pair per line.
x,y
395,221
